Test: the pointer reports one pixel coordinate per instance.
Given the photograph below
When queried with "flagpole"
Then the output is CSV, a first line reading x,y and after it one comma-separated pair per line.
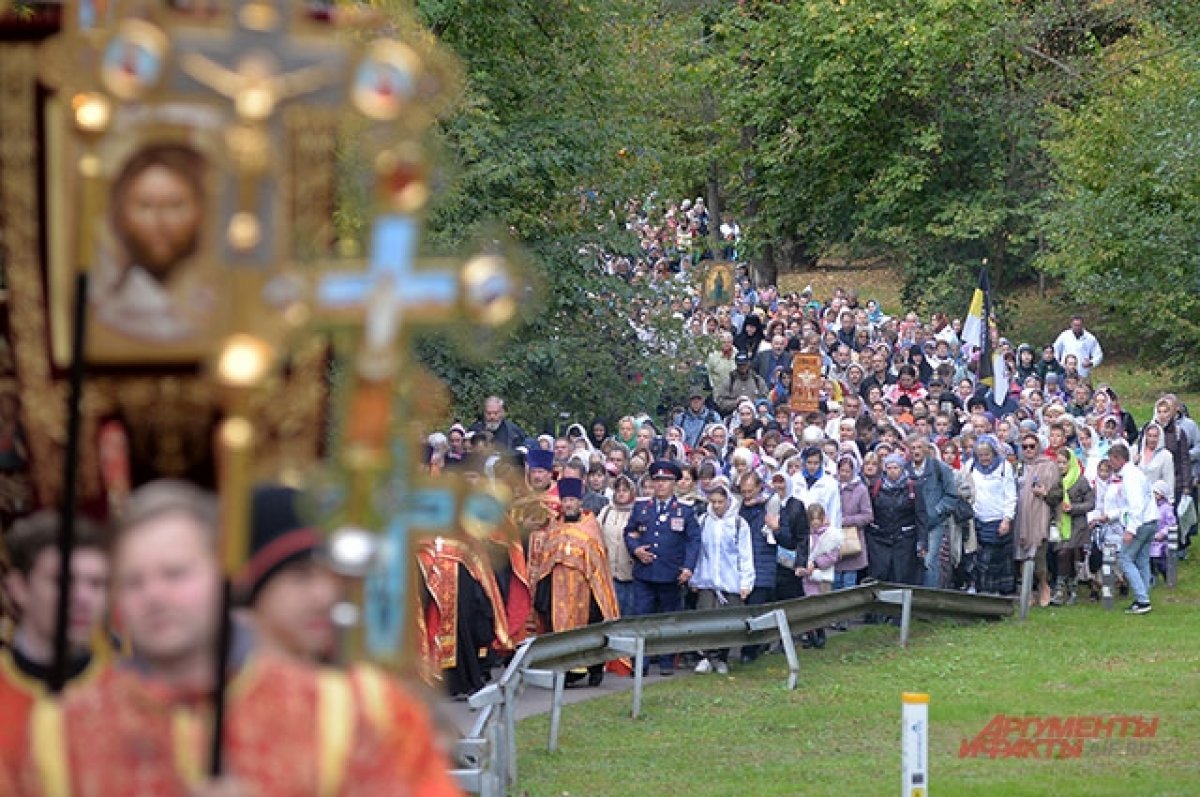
x,y
985,335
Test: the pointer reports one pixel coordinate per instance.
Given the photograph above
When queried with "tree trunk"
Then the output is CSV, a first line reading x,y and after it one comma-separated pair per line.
x,y
712,195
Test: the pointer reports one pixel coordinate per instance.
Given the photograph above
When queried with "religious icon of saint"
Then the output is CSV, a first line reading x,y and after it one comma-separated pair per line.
x,y
145,286
718,285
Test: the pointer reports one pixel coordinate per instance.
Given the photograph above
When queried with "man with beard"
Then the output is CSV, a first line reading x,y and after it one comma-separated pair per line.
x,y
505,434
570,572
1082,344
289,729
143,286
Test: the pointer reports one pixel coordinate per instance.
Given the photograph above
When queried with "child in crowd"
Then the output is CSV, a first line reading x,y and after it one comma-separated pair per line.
x,y
1166,520
824,550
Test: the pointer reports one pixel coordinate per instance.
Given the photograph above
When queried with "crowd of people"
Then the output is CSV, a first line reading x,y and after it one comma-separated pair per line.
x,y
910,469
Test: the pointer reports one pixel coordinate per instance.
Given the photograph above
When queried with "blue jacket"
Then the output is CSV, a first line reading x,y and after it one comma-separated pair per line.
x,y
936,493
673,536
693,424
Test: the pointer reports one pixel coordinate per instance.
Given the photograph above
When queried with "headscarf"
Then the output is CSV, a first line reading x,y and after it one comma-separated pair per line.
x,y
1145,458
630,442
811,478
779,391
627,482
607,432
582,435
1074,471
991,442
894,459
855,469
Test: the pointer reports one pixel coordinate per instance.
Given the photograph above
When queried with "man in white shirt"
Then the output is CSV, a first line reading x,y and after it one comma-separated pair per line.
x,y
1139,516
1082,344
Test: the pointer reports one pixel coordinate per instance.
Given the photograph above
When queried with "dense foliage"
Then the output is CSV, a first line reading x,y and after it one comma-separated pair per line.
x,y
1054,136
1124,229
1048,136
556,128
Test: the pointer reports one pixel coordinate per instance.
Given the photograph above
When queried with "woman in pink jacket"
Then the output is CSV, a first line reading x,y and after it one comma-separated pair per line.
x,y
856,512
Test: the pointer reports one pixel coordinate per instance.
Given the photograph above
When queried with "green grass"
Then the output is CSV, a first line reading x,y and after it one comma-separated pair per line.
x,y
838,733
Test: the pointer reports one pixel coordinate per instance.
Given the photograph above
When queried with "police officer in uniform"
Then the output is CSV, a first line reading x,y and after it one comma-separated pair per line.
x,y
664,540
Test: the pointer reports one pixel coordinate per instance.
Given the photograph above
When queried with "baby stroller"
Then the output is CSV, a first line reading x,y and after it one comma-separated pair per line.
x,y
1104,535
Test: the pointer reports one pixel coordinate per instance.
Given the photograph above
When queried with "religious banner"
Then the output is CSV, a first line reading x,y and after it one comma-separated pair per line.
x,y
718,285
806,383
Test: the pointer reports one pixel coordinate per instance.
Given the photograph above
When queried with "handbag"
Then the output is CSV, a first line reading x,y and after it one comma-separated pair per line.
x,y
851,541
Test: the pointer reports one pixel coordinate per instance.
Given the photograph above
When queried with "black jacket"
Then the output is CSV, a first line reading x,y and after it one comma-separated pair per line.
x,y
896,516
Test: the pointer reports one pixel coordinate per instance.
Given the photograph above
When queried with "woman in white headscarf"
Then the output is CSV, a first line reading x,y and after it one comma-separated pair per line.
x,y
1090,453
1153,458
579,440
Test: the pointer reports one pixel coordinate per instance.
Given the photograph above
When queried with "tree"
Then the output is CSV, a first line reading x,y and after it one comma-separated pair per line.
x,y
904,128
1124,229
559,123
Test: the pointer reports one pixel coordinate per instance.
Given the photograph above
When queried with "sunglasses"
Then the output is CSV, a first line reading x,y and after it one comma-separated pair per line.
x,y
1029,446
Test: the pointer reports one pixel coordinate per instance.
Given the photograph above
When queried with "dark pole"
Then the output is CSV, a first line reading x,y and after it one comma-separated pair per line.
x,y
221,665
66,533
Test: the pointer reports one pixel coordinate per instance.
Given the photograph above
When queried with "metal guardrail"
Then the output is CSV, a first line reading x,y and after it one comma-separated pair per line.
x,y
488,753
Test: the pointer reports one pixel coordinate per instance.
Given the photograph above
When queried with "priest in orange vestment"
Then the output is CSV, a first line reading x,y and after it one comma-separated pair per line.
x,y
569,569
291,729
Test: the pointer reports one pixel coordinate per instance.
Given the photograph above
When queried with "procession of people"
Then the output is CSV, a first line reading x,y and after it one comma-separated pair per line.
x,y
910,469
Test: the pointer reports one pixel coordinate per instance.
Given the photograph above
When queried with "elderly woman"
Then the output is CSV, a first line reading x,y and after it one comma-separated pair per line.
x,y
718,435
994,494
761,511
745,424
613,519
896,532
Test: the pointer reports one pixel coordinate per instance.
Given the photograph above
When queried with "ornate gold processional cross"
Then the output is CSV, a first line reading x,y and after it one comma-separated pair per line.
x,y
233,81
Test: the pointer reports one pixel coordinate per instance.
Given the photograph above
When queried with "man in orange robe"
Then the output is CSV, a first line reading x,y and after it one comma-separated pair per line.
x,y
569,569
290,729
512,577
463,614
26,666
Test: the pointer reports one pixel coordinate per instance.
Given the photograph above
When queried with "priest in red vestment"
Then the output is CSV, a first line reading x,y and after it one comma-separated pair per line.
x,y
463,613
27,664
291,729
570,572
